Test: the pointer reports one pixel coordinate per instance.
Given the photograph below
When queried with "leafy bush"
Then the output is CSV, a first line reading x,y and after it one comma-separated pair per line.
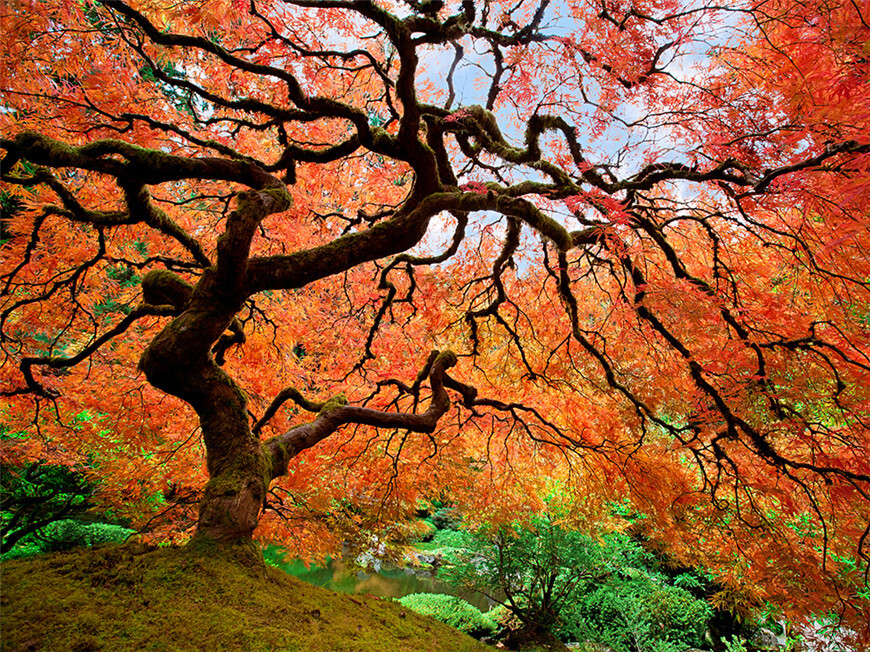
x,y
504,619
34,495
22,550
425,530
449,539
446,518
537,569
608,591
69,533
641,611
47,508
452,611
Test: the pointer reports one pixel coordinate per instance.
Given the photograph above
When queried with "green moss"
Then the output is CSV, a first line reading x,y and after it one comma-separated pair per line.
x,y
201,597
335,402
447,358
280,195
160,286
233,479
246,553
226,484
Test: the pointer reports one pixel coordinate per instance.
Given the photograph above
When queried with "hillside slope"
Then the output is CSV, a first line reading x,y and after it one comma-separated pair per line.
x,y
183,599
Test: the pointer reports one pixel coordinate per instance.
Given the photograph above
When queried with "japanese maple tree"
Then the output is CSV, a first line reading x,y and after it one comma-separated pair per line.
x,y
354,253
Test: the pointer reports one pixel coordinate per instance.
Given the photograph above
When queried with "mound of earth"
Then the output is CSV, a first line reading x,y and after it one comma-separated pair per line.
x,y
197,598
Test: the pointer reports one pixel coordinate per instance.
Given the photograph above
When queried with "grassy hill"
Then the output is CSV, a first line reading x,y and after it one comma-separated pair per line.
x,y
183,599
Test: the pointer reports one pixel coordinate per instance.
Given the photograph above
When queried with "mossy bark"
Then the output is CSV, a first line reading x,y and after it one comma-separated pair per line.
x,y
179,361
238,465
231,505
184,359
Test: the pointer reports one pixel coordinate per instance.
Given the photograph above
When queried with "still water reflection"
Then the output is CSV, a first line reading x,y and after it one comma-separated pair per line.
x,y
344,577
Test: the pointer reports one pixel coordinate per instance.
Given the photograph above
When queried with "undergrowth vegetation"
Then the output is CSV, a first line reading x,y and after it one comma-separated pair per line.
x,y
452,611
551,580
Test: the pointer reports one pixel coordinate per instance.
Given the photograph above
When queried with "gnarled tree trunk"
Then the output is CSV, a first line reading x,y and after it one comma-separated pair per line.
x,y
181,361
237,463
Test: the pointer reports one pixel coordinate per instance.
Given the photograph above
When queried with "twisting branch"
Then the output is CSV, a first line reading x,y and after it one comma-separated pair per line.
x,y
287,394
336,413
60,362
386,284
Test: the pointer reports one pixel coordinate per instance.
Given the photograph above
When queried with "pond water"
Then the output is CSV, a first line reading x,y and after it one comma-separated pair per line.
x,y
343,576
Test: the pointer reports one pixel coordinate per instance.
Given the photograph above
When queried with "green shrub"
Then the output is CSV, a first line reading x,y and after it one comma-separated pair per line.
x,y
22,550
446,518
32,496
504,619
608,591
449,539
70,533
428,530
538,568
452,611
641,612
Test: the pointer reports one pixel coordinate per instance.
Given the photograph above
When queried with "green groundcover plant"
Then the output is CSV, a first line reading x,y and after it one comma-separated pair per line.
x,y
451,610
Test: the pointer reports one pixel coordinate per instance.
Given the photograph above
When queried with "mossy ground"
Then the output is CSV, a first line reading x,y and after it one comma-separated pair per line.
x,y
181,599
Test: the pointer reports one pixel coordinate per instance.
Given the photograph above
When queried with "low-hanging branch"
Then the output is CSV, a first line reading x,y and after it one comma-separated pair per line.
x,y
335,413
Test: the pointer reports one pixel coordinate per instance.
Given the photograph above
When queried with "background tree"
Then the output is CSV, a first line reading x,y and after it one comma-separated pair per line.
x,y
633,237
535,571
552,580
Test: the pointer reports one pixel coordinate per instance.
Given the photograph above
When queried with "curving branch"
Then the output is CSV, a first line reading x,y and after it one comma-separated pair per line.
x,y
286,394
336,413
61,362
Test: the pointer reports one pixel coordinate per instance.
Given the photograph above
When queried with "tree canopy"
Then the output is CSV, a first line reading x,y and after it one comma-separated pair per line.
x,y
302,263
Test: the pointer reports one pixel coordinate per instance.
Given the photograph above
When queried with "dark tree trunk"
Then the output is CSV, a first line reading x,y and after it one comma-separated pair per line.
x,y
179,361
230,508
237,462
238,465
